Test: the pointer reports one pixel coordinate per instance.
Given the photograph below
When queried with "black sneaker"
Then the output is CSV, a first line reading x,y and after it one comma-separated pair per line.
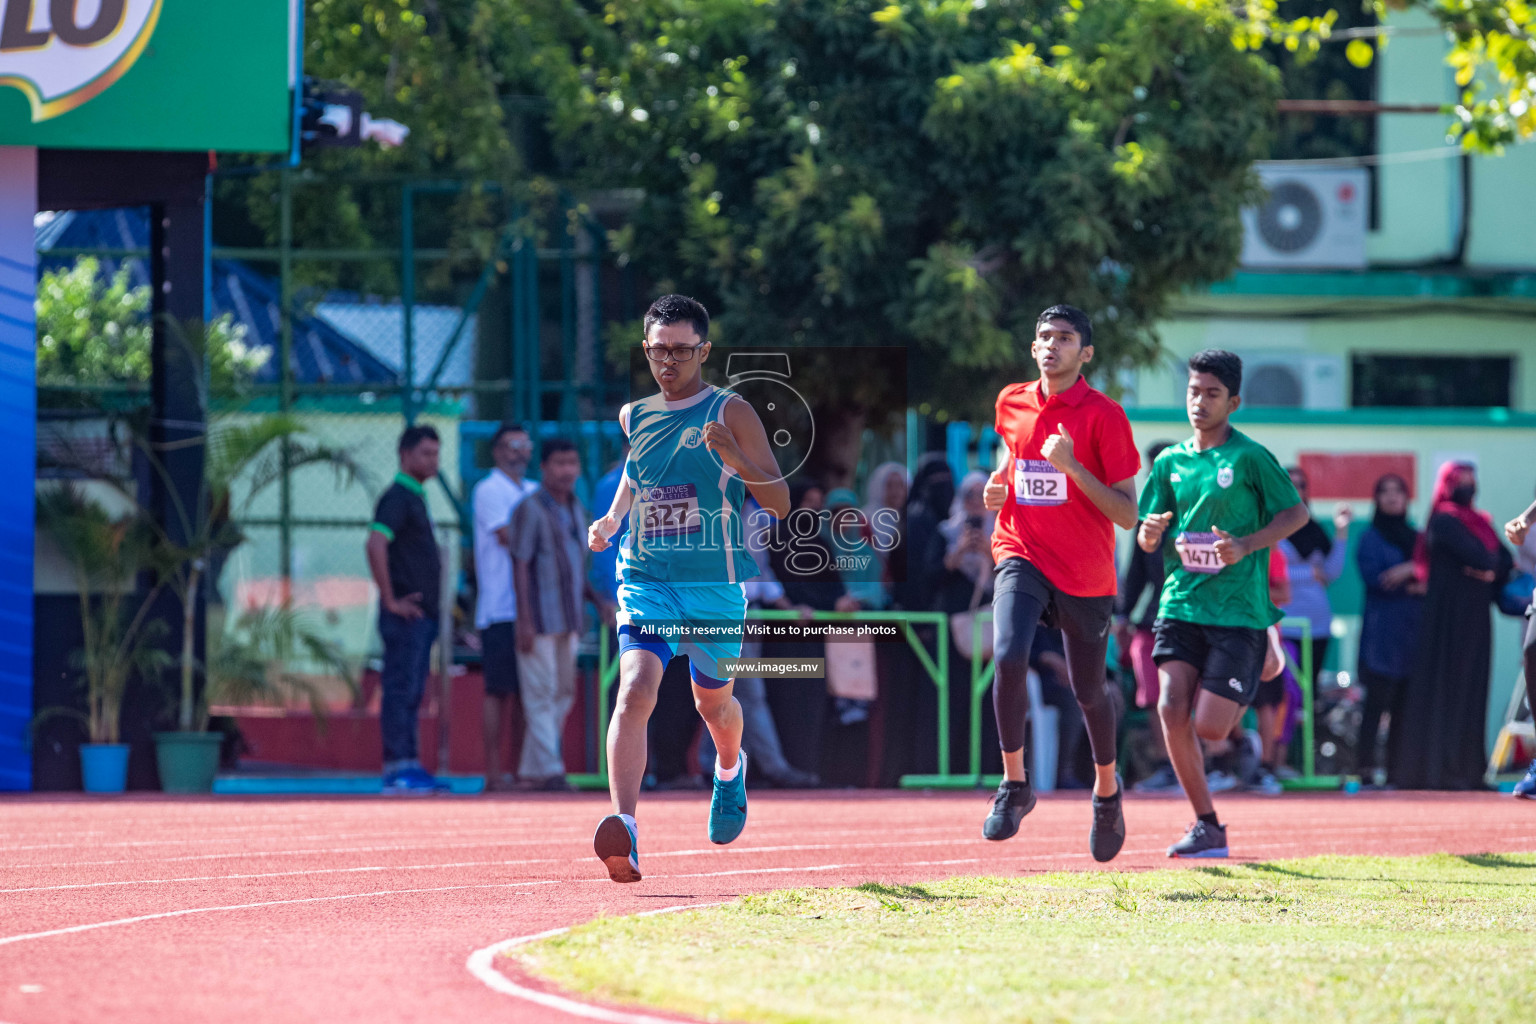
x,y
1108,832
1201,840
1012,802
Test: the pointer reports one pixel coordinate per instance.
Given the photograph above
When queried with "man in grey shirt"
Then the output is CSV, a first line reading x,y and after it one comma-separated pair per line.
x,y
548,546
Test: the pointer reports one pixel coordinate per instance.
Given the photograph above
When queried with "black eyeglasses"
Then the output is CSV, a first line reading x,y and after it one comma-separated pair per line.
x,y
659,353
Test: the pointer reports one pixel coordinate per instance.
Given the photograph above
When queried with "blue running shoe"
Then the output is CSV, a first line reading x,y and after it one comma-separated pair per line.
x,y
413,781
617,846
1525,789
1201,840
728,807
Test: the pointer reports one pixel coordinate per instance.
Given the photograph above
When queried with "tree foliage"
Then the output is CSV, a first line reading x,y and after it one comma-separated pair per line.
x,y
929,173
94,330
454,72
1494,55
921,172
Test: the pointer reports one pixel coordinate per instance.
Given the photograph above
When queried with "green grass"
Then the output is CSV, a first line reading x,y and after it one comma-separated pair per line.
x,y
1438,938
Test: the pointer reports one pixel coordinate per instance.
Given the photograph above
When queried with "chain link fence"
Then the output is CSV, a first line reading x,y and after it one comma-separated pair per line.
x,y
358,306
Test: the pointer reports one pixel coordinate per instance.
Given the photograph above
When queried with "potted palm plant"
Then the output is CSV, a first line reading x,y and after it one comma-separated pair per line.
x,y
104,555
251,664
243,454
242,457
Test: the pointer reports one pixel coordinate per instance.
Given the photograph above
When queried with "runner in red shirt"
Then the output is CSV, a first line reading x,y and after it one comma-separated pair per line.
x,y
1065,477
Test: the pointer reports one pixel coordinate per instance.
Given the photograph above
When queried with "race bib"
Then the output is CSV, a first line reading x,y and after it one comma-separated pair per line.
x,y
670,510
1198,553
1037,482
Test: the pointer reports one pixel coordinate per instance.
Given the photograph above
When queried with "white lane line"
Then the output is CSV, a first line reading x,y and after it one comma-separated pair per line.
x,y
288,874
707,851
118,922
243,834
544,840
481,964
452,865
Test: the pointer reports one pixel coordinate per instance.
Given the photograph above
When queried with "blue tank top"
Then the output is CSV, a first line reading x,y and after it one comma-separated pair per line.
x,y
685,523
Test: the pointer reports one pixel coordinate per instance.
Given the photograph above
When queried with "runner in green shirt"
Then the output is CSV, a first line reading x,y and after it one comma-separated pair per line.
x,y
1228,501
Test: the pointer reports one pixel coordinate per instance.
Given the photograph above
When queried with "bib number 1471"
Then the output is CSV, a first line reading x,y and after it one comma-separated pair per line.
x,y
1198,553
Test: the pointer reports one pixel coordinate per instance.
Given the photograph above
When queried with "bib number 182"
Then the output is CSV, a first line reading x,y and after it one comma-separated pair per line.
x,y
1037,482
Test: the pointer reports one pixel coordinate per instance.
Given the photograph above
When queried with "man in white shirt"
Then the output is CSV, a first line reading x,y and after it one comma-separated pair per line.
x,y
496,606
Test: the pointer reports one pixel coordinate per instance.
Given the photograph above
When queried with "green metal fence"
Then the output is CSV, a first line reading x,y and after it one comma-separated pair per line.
x,y
936,666
984,670
390,300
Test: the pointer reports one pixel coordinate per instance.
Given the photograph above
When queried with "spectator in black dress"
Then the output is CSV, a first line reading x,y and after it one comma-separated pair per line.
x,y
802,560
1394,598
1445,705
965,585
909,704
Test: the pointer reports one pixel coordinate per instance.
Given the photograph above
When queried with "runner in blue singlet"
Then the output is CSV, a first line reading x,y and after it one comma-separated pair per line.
x,y
696,452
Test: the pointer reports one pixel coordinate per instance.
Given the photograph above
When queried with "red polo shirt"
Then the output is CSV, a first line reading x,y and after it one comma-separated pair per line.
x,y
1046,518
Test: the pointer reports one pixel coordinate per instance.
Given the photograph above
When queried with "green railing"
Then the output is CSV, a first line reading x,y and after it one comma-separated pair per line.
x,y
937,669
983,671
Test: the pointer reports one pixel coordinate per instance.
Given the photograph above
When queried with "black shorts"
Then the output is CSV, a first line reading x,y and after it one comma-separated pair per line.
x,y
1271,692
1084,617
498,659
1230,658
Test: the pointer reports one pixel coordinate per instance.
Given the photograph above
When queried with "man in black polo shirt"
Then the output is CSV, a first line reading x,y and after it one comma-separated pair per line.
x,y
402,555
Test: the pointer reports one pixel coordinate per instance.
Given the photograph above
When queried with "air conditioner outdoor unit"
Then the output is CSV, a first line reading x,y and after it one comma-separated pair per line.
x,y
1293,380
1314,217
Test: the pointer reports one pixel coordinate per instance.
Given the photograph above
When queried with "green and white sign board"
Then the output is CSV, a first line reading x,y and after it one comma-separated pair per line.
x,y
149,74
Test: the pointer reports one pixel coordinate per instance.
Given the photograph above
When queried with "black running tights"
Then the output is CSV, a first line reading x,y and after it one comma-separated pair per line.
x,y
1015,616
1529,657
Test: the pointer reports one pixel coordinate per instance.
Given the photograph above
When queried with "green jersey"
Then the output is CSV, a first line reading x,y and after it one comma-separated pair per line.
x,y
1239,487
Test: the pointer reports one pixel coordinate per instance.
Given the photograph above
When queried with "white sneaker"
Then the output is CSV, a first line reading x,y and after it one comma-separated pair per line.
x,y
1267,785
1219,781
1161,781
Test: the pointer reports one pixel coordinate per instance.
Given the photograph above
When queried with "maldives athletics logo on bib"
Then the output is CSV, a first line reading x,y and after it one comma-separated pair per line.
x,y
64,53
1224,476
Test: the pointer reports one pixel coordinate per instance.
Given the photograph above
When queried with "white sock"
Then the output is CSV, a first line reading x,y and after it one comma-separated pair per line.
x,y
727,774
629,819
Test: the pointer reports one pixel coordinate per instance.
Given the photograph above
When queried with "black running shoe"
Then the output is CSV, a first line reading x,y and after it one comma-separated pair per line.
x,y
1201,840
618,847
1108,832
1012,802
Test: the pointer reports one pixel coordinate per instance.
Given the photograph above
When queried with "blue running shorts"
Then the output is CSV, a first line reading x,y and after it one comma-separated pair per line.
x,y
651,613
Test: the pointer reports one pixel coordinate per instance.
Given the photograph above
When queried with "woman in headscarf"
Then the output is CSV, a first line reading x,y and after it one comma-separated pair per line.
x,y
885,505
1445,704
886,488
1394,597
915,563
967,579
1315,560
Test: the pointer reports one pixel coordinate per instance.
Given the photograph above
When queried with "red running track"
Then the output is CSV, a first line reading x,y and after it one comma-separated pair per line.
x,y
158,910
